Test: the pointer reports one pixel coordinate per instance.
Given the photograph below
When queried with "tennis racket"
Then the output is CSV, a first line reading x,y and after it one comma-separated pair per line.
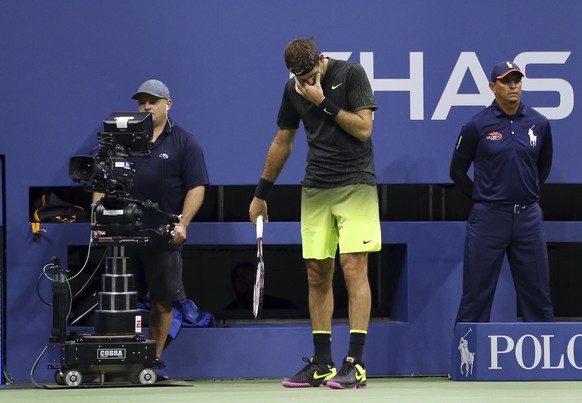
x,y
260,278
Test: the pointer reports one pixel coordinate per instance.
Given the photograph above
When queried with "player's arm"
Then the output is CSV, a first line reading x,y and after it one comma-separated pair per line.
x,y
192,204
277,156
278,153
358,124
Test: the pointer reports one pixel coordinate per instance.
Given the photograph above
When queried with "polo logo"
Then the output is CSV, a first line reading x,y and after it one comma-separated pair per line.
x,y
539,350
532,137
467,357
517,351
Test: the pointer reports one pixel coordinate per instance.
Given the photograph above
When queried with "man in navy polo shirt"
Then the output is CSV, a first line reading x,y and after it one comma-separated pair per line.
x,y
175,177
510,147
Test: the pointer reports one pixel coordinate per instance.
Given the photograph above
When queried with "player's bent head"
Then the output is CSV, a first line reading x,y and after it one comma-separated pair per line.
x,y
301,56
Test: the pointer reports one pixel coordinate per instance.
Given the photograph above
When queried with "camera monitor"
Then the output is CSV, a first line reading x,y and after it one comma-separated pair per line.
x,y
132,130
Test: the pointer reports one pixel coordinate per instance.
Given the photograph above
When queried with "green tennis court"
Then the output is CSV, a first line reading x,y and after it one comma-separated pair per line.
x,y
429,389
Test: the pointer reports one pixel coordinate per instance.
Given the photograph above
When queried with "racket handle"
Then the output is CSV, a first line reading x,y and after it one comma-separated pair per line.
x,y
259,226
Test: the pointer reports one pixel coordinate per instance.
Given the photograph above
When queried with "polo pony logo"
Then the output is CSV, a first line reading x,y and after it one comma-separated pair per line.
x,y
532,137
467,357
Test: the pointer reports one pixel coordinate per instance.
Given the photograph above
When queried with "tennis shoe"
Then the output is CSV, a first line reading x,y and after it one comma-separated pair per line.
x,y
351,375
160,369
315,373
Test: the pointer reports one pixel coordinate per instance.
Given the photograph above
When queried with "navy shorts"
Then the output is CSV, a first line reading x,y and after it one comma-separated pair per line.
x,y
158,273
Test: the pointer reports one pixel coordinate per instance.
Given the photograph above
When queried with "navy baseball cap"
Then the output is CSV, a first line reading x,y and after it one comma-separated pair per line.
x,y
502,69
153,87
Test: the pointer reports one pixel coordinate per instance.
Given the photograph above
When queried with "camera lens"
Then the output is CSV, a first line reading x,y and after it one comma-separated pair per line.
x,y
82,168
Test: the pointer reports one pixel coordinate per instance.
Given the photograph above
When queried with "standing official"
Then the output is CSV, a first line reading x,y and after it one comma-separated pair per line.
x,y
510,147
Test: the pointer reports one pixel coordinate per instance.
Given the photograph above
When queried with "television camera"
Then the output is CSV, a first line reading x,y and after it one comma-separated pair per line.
x,y
110,172
116,350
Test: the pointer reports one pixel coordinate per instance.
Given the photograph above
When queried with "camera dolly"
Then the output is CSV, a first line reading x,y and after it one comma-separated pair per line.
x,y
117,351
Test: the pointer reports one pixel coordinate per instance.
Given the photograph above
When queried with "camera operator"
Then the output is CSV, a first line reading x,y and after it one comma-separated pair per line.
x,y
175,177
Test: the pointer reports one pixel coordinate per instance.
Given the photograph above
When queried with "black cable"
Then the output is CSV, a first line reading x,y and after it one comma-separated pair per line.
x,y
41,275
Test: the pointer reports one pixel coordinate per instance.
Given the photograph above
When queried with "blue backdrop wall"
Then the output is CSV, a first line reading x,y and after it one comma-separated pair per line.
x,y
68,64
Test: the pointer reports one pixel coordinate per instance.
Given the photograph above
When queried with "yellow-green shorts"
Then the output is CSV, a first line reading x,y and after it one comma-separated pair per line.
x,y
347,216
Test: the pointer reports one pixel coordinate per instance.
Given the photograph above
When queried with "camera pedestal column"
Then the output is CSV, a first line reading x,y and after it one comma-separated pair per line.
x,y
117,313
117,351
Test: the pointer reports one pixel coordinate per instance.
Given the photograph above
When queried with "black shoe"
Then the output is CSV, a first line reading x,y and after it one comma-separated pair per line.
x,y
160,369
315,373
351,375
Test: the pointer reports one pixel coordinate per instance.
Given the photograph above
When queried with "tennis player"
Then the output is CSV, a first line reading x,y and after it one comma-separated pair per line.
x,y
339,200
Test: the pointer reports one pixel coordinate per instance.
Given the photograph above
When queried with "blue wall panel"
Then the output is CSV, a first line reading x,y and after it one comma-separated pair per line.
x,y
418,345
69,64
